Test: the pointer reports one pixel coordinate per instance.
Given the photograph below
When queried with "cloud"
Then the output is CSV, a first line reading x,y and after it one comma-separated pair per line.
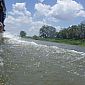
x,y
21,19
63,10
42,9
81,13
67,9
18,18
20,11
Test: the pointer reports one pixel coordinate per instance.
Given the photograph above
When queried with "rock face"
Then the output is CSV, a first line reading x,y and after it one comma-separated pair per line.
x,y
47,31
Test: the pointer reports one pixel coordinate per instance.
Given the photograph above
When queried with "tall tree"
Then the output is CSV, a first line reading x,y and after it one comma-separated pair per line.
x,y
47,31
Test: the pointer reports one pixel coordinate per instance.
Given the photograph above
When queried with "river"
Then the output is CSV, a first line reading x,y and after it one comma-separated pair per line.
x,y
30,62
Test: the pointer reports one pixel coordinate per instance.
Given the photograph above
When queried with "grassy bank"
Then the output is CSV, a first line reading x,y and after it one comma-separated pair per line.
x,y
69,41
80,42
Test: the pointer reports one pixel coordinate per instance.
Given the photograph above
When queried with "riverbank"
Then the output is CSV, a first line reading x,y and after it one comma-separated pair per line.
x,y
78,48
68,41
80,42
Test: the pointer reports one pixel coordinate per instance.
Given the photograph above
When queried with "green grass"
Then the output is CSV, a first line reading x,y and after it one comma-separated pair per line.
x,y
70,41
80,42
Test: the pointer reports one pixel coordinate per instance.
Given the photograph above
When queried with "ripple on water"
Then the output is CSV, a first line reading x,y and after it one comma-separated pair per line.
x,y
1,62
30,62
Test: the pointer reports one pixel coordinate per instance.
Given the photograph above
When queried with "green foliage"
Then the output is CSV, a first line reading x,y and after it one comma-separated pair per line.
x,y
35,37
47,31
74,35
80,42
73,32
22,34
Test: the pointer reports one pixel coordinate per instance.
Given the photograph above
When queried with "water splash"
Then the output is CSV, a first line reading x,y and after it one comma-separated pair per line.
x,y
10,36
13,39
24,57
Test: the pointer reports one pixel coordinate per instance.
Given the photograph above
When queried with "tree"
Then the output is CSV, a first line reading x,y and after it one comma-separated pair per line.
x,y
47,31
72,32
22,34
35,37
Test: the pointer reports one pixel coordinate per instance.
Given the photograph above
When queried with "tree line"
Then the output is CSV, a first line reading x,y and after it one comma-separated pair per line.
x,y
72,32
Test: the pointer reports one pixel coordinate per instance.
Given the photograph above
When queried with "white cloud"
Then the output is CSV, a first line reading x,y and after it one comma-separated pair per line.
x,y
81,13
20,14
63,9
20,19
20,9
42,9
34,27
66,9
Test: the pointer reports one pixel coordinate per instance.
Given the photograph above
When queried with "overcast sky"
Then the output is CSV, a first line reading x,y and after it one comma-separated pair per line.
x,y
30,15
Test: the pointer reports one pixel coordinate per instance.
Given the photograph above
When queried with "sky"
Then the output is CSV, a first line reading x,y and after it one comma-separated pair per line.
x,y
31,15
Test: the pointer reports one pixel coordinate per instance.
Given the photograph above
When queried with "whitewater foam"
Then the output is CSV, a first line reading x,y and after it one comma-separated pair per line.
x,y
82,53
17,40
